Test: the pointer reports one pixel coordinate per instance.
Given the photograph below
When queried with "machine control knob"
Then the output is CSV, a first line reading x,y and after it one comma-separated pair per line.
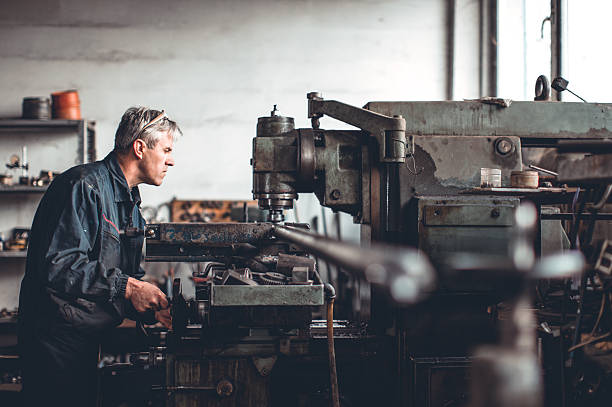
x,y
225,388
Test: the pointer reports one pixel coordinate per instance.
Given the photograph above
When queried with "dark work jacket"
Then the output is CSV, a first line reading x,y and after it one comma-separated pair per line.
x,y
78,263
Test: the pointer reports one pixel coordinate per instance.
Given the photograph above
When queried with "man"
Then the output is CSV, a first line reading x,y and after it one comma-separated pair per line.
x,y
82,274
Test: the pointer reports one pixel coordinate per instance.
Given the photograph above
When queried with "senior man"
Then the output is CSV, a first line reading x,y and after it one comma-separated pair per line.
x,y
82,274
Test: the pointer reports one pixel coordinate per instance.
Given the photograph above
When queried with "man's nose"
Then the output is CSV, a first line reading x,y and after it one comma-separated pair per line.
x,y
170,161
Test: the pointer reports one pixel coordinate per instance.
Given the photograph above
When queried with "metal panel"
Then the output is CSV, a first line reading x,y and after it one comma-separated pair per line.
x,y
439,382
237,295
522,119
447,165
218,382
465,225
468,215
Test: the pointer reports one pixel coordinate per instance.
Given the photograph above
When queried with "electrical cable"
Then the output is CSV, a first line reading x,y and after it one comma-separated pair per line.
x,y
601,311
575,243
587,238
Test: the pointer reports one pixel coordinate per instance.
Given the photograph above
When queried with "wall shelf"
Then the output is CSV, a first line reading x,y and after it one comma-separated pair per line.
x,y
13,254
5,189
16,387
31,123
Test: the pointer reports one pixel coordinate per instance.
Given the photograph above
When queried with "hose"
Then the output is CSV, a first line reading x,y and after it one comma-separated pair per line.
x,y
330,294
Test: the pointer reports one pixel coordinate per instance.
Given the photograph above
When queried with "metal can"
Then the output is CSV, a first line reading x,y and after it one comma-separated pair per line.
x,y
490,178
524,179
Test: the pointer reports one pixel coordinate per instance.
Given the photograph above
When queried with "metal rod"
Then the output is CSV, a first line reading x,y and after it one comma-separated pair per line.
x,y
333,375
450,47
404,271
576,96
556,49
600,146
570,216
545,171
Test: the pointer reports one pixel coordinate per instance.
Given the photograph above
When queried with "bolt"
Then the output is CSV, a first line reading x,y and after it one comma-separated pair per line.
x,y
335,194
504,146
495,213
150,233
314,95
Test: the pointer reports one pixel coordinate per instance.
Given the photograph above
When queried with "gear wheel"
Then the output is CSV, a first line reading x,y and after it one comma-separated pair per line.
x,y
271,278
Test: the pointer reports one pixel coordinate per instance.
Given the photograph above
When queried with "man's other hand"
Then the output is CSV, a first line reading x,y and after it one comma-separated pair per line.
x,y
164,317
145,296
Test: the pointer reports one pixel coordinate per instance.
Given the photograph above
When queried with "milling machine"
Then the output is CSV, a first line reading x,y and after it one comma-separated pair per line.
x,y
411,177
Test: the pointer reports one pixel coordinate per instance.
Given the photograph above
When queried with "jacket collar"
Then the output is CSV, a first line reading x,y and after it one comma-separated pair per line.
x,y
123,193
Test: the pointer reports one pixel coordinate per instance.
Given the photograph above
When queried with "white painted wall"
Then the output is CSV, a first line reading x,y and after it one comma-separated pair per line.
x,y
216,66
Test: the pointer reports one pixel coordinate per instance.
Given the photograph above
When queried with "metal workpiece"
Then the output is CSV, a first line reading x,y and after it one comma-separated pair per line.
x,y
208,234
528,120
405,272
389,131
278,295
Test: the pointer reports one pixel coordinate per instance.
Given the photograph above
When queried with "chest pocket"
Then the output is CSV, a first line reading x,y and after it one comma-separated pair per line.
x,y
110,248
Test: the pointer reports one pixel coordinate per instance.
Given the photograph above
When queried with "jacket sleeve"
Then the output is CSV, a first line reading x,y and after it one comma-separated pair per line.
x,y
71,266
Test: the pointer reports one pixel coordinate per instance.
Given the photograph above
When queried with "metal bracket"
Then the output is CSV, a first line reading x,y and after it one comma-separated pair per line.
x,y
390,132
604,261
264,365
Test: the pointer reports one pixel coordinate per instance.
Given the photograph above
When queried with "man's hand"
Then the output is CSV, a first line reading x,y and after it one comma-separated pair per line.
x,y
164,317
145,296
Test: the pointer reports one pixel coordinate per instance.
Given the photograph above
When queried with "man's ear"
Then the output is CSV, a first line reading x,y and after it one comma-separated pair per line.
x,y
139,147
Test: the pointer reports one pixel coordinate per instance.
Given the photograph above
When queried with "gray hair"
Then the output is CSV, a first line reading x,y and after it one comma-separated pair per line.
x,y
136,123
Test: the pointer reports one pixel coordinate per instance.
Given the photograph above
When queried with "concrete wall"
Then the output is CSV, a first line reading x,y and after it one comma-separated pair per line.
x,y
216,66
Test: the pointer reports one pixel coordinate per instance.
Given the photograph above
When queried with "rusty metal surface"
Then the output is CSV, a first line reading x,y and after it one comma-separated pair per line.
x,y
472,224
446,165
468,215
521,119
340,160
388,130
239,295
540,195
208,234
194,382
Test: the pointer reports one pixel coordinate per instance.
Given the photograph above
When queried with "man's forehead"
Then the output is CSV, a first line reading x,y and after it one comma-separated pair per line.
x,y
166,140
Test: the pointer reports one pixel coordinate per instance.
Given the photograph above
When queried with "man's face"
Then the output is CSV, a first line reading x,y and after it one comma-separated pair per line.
x,y
155,161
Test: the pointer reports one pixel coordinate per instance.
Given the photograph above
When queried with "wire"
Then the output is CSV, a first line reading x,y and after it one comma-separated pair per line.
x,y
574,241
414,170
601,311
589,341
